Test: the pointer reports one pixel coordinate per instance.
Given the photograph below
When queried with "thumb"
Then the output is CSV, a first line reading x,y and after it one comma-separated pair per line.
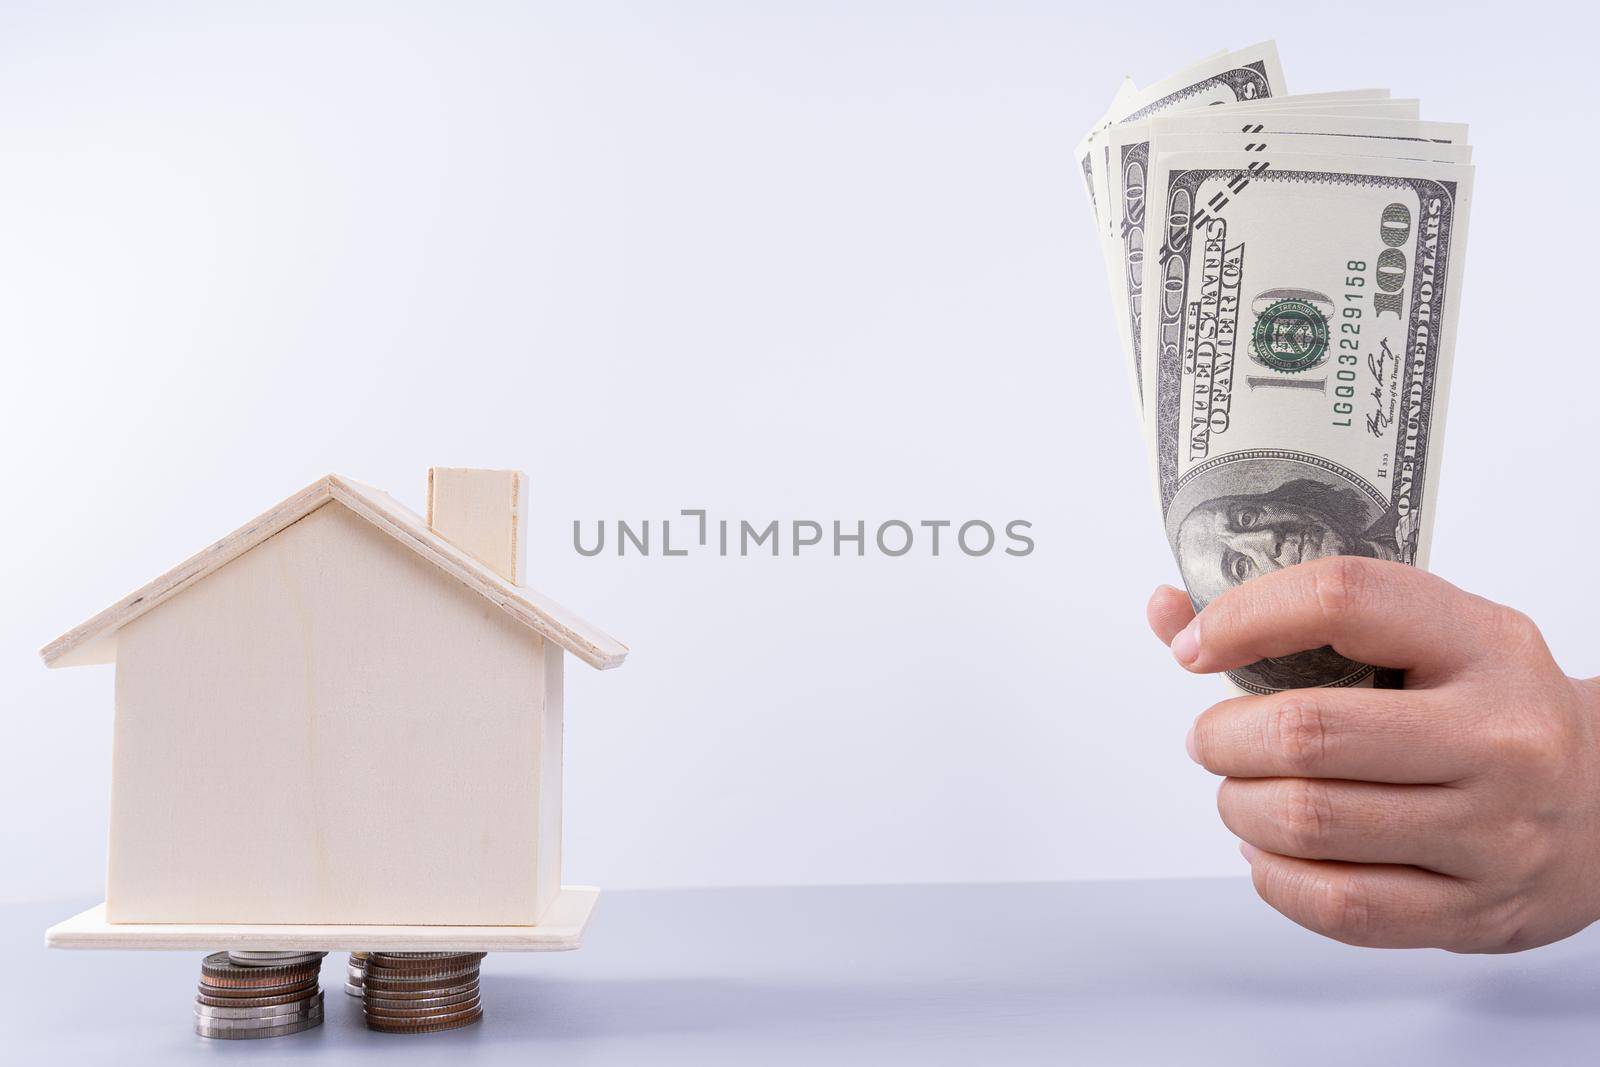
x,y
1169,611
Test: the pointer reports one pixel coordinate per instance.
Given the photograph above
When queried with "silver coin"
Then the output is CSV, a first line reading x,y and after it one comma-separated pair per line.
x,y
437,963
427,1015
426,955
256,1002
265,1022
463,990
420,1003
276,989
380,962
452,984
266,1018
271,1011
257,1011
262,1023
219,970
250,958
354,990
410,993
224,960
408,980
207,1030
274,955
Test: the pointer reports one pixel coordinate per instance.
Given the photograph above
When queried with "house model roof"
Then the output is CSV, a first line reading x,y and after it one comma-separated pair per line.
x,y
95,641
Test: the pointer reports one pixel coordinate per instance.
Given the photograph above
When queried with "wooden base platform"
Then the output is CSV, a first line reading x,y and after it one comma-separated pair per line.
x,y
561,931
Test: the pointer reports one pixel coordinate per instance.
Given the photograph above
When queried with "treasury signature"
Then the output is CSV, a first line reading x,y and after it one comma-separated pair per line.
x,y
1378,363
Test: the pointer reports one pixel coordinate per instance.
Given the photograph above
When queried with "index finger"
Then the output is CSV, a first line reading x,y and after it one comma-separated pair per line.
x,y
1373,611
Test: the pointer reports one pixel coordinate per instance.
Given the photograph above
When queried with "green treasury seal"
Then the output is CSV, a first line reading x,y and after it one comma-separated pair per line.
x,y
1290,335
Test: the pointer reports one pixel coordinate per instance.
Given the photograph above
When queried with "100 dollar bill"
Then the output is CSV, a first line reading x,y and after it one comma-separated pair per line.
x,y
1365,124
1252,73
1301,318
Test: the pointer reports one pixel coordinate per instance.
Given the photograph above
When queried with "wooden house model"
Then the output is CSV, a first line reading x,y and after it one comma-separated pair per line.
x,y
343,714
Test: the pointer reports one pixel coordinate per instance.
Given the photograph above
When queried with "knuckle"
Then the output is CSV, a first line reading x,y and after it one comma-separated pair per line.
x,y
1339,585
1522,846
1532,750
1222,616
1514,631
1305,816
1342,909
1499,926
1297,733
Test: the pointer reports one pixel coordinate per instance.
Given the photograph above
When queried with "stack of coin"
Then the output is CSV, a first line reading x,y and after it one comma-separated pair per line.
x,y
355,972
420,992
258,994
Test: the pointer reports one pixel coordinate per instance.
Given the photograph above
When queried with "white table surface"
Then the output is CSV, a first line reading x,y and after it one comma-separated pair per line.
x,y
1160,972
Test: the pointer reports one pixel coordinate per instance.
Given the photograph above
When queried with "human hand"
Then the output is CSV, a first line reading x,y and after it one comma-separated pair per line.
x,y
1461,812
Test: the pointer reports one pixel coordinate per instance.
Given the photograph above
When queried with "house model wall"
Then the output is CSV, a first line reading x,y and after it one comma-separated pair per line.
x,y
342,714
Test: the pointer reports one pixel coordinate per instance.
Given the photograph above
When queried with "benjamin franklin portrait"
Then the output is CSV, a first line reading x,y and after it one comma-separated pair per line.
x,y
1238,520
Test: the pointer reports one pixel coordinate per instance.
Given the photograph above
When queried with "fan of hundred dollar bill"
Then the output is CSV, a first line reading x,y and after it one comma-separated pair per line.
x,y
1285,276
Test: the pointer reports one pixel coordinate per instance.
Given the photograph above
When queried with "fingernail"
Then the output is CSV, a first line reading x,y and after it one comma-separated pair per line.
x,y
1188,744
1249,852
1186,646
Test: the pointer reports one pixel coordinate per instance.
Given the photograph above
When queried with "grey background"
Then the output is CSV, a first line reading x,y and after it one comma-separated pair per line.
x,y
1156,972
825,260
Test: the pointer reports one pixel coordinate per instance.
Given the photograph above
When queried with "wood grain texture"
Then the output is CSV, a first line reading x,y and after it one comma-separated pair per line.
x,y
330,730
95,641
481,512
561,930
551,735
